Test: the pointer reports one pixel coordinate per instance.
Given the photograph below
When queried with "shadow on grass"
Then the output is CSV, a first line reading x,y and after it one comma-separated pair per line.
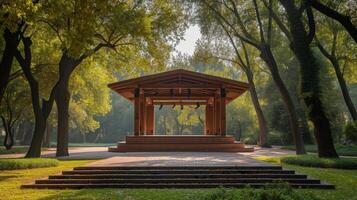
x,y
4,178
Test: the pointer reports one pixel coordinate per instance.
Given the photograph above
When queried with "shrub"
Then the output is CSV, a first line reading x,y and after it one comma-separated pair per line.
x,y
350,131
27,163
314,161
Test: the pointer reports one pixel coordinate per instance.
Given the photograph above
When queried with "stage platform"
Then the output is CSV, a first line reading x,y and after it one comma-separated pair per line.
x,y
201,143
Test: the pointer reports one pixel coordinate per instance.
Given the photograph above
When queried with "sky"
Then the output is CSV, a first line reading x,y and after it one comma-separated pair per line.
x,y
187,45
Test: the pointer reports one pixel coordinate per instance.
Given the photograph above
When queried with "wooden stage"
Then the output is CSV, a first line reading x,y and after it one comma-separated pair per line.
x,y
203,143
180,88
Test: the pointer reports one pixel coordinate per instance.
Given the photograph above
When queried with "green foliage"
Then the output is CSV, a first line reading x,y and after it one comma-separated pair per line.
x,y
342,150
12,12
27,163
275,191
314,161
350,132
275,138
344,180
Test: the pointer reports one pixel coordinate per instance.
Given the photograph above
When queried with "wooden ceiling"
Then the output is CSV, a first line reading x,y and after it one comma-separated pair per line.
x,y
180,87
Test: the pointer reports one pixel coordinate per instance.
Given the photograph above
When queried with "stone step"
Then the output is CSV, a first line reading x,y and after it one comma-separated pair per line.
x,y
164,176
174,180
270,167
167,185
175,177
180,139
187,147
245,171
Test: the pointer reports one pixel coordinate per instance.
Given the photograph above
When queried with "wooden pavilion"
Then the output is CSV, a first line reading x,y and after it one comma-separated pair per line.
x,y
180,87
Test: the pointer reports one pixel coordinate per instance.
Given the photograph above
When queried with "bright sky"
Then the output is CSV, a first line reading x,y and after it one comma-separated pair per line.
x,y
187,45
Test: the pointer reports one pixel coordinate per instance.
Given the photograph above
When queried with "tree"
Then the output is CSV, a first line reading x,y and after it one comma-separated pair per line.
x,y
338,43
14,105
232,21
309,69
14,17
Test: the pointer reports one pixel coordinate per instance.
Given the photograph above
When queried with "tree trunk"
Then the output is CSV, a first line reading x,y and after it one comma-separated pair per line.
x,y
62,101
344,89
263,128
62,98
310,84
41,113
268,57
47,140
11,43
8,140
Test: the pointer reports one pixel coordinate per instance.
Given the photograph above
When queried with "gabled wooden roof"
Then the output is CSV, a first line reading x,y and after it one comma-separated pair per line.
x,y
179,84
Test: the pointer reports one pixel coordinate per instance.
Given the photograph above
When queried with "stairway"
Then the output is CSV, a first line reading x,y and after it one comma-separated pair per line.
x,y
175,177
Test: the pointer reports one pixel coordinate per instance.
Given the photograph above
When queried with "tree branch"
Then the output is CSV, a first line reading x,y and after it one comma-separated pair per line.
x,y
344,20
311,22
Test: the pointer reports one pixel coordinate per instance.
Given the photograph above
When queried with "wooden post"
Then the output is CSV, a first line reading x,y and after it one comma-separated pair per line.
x,y
142,113
209,120
149,119
217,114
223,112
136,112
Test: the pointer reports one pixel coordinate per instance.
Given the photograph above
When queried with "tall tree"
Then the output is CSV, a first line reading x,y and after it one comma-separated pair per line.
x,y
228,15
309,70
85,27
334,47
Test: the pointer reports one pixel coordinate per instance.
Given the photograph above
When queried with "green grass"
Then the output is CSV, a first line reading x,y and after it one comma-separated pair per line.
x,y
13,150
27,163
343,150
11,180
344,180
314,161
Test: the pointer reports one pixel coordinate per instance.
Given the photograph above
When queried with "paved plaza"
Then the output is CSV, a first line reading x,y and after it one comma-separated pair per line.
x,y
165,158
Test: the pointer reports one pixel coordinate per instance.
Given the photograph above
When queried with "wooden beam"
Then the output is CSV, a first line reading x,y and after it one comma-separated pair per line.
x,y
165,97
183,86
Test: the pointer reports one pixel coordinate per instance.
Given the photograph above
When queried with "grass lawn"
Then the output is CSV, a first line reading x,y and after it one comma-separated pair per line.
x,y
344,180
343,150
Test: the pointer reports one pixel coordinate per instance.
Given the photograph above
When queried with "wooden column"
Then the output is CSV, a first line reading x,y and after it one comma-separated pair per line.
x,y
137,112
149,119
142,113
223,112
209,120
217,115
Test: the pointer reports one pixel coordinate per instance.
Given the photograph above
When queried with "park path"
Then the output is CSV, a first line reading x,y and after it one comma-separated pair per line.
x,y
164,158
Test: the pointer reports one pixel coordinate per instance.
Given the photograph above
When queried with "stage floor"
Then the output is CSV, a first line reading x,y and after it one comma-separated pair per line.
x,y
199,143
